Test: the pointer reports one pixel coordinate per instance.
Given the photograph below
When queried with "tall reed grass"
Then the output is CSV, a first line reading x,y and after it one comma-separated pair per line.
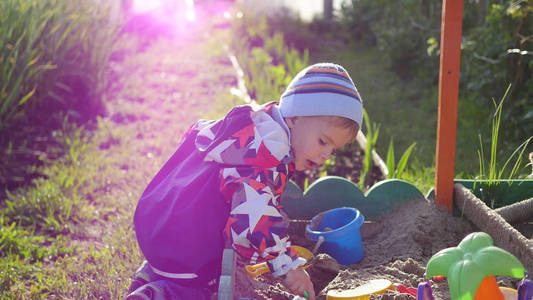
x,y
494,172
50,50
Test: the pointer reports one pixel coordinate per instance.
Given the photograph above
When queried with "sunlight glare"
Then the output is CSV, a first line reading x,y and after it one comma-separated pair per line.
x,y
190,14
142,6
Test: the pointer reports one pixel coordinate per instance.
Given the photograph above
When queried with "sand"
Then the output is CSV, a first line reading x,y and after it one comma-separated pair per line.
x,y
397,247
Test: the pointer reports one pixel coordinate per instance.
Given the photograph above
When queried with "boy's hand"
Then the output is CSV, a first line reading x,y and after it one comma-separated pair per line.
x,y
298,281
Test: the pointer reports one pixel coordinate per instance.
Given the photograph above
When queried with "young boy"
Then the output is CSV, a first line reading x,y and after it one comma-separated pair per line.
x,y
186,212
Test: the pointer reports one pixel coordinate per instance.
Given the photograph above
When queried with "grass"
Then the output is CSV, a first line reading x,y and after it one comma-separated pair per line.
x,y
46,47
59,213
53,58
494,172
70,235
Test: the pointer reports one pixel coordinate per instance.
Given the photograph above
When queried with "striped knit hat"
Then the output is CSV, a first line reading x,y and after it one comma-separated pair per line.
x,y
323,89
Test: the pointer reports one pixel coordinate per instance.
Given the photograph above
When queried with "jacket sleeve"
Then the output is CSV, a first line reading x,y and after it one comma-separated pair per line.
x,y
253,180
257,225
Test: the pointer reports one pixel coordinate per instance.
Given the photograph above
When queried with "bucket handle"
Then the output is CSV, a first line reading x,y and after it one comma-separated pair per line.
x,y
317,245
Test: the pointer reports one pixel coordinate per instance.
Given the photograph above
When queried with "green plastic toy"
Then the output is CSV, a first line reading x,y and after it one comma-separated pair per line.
x,y
469,264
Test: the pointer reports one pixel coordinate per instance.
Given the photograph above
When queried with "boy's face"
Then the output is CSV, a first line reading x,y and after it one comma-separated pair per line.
x,y
313,139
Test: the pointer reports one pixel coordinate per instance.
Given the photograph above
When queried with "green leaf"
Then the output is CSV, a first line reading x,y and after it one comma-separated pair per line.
x,y
390,160
25,98
403,160
518,160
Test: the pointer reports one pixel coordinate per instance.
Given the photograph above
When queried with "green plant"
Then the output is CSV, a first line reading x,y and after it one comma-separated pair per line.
x,y
19,242
269,63
45,207
372,133
267,80
495,173
53,203
21,64
497,51
53,50
396,171
496,48
399,30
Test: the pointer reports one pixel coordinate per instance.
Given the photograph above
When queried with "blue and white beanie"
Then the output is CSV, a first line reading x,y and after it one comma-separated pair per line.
x,y
323,89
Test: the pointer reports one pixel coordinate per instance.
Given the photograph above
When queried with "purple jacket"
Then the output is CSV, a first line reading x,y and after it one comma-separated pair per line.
x,y
185,212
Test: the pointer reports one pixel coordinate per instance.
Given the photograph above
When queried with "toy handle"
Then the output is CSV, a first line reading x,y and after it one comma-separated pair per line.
x,y
525,289
257,269
424,291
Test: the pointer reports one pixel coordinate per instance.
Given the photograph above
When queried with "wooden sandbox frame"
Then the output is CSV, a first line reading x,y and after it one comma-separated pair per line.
x,y
493,223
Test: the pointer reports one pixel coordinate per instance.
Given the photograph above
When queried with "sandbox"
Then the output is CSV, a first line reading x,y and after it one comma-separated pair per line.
x,y
398,239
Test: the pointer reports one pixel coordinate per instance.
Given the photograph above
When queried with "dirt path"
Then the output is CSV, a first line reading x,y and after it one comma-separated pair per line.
x,y
159,86
165,88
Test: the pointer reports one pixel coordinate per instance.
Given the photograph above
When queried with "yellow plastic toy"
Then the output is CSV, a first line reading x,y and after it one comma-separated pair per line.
x,y
255,270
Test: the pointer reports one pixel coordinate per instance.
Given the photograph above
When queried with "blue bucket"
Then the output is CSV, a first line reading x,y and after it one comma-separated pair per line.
x,y
340,228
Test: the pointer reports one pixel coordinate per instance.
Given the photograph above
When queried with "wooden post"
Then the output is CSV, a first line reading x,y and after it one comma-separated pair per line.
x,y
450,52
